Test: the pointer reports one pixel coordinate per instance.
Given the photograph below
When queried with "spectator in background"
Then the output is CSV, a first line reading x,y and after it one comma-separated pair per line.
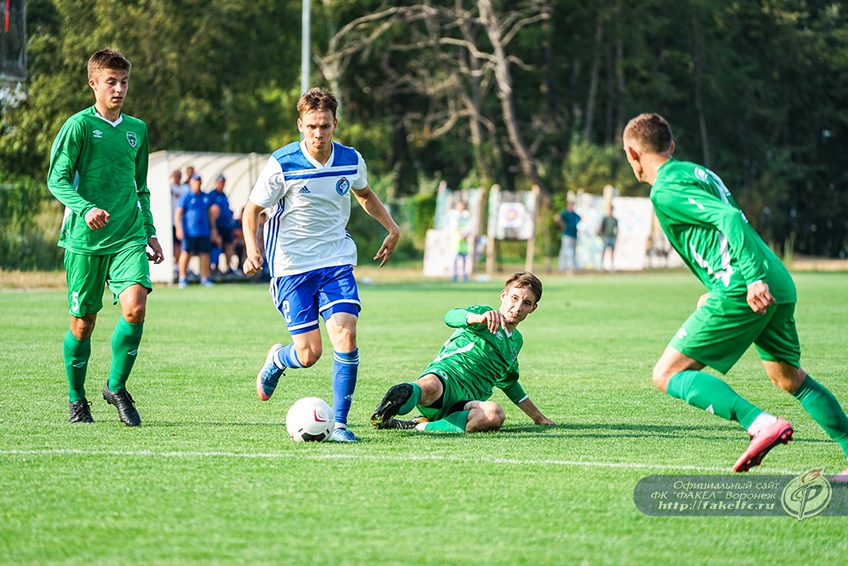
x,y
224,222
458,223
195,224
567,221
238,242
178,189
608,232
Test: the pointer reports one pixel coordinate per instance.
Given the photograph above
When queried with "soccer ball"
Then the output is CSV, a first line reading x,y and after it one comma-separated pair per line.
x,y
310,420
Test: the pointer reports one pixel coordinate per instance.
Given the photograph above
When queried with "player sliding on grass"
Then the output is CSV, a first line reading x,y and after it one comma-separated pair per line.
x,y
751,298
482,354
98,170
307,185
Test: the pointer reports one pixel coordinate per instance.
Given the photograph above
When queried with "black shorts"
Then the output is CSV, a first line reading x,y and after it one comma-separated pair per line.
x,y
226,235
197,245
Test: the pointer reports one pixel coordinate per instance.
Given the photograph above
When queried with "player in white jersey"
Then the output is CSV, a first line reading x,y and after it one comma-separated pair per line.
x,y
310,254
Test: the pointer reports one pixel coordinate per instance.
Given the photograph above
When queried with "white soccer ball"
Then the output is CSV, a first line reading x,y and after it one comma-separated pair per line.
x,y
310,420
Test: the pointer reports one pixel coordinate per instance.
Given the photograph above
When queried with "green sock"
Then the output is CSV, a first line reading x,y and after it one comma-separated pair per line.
x,y
711,394
125,341
413,399
825,410
454,422
76,354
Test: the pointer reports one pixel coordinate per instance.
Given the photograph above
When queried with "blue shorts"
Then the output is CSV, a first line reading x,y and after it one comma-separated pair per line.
x,y
196,245
328,290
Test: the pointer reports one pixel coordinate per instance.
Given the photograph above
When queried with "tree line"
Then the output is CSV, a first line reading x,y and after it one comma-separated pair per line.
x,y
475,92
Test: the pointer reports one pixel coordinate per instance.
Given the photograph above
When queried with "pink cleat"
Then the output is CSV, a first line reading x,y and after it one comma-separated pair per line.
x,y
767,438
841,476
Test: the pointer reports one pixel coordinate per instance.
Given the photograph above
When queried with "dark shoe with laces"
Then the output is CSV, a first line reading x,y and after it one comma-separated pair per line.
x,y
390,405
398,424
80,411
123,401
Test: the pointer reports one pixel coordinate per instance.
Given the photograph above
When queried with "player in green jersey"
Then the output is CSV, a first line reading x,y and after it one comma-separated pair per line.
x,y
482,354
751,298
98,170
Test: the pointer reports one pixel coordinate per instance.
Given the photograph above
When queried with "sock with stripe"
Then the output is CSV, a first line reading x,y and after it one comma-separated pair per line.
x,y
345,369
820,403
125,341
454,422
76,354
287,357
712,395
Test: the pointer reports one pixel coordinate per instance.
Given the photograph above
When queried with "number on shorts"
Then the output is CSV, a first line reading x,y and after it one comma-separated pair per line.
x,y
286,312
75,306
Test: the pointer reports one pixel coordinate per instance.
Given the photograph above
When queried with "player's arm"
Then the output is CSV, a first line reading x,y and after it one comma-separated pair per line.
x,y
213,212
512,389
178,221
461,318
62,173
141,166
253,259
375,208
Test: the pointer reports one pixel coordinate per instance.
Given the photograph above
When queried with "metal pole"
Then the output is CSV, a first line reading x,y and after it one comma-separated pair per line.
x,y
305,48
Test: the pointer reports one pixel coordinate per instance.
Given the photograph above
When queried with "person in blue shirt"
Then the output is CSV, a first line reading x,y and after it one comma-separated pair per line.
x,y
567,221
224,225
194,221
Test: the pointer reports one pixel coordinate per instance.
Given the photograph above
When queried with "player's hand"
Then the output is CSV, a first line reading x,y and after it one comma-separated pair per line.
x,y
252,264
388,248
702,299
157,256
494,320
543,420
179,234
96,218
759,297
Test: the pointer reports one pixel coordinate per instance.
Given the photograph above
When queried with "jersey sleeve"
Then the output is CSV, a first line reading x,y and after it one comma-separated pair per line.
x,y
61,177
456,318
510,386
270,186
362,174
690,204
141,165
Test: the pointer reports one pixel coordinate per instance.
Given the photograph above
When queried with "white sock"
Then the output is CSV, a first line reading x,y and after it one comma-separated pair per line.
x,y
761,422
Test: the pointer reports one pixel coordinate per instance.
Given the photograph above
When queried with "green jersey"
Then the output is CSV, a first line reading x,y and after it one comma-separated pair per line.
x,y
479,359
97,164
709,231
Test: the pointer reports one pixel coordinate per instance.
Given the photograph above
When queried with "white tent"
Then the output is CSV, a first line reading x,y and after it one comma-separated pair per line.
x,y
240,169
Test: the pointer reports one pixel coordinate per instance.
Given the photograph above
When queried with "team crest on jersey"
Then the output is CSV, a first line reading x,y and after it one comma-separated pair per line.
x,y
342,186
132,139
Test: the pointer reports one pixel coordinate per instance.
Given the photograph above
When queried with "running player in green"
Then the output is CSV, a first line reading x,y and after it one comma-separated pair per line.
x,y
482,354
751,298
98,170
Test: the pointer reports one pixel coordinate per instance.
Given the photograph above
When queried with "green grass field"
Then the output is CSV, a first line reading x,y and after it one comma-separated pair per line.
x,y
211,476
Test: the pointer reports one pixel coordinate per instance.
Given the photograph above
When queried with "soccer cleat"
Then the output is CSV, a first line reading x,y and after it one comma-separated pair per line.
x,y
398,424
183,283
125,404
764,440
392,401
341,435
269,375
81,411
206,283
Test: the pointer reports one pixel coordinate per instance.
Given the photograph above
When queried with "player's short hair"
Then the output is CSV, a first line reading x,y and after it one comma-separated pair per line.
x,y
317,99
650,132
107,59
525,280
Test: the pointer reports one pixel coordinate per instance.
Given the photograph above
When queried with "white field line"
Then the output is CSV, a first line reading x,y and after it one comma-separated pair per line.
x,y
373,457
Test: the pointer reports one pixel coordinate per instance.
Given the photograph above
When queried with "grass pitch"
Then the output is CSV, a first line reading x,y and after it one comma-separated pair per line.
x,y
211,477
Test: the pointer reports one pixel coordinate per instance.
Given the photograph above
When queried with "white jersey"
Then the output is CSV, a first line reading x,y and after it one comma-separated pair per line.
x,y
310,208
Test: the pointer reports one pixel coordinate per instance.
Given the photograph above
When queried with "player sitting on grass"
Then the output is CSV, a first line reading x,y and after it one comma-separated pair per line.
x,y
482,354
751,298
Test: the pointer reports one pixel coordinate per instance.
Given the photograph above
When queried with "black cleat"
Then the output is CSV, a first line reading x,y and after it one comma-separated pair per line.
x,y
392,401
80,411
398,424
123,401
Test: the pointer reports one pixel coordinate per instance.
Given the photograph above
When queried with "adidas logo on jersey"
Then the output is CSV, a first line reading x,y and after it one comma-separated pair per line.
x,y
304,190
97,134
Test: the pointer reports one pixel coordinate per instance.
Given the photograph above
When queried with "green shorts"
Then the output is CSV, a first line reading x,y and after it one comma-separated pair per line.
x,y
454,397
87,274
719,333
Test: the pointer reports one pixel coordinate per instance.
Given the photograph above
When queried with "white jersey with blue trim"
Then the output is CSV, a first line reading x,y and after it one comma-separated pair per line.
x,y
310,208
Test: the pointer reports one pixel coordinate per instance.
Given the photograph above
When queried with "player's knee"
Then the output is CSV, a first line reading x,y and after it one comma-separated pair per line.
x,y
494,415
661,376
134,314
